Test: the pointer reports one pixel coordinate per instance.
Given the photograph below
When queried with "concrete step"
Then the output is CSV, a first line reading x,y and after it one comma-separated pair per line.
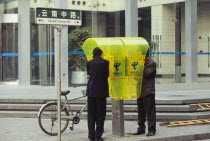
x,y
20,107
24,101
76,107
126,102
28,108
127,116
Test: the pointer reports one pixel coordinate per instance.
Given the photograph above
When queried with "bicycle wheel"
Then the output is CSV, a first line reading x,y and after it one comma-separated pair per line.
x,y
48,119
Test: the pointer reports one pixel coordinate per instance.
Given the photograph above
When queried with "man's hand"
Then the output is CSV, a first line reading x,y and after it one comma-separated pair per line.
x,y
88,76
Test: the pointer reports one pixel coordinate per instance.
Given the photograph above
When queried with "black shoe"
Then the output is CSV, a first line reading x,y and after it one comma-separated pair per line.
x,y
99,139
139,132
150,134
91,139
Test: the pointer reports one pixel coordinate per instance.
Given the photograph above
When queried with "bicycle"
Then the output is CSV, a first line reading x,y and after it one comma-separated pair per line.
x,y
47,116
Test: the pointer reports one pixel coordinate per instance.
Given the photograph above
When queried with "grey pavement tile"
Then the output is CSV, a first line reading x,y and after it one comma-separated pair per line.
x,y
28,130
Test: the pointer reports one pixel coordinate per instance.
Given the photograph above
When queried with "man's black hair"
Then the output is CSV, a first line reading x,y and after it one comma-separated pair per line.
x,y
97,52
147,55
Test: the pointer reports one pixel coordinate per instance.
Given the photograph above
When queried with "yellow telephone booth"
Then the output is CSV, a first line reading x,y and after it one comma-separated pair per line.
x,y
126,62
136,49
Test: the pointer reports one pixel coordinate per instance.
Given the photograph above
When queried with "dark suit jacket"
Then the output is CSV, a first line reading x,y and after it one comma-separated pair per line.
x,y
97,86
148,82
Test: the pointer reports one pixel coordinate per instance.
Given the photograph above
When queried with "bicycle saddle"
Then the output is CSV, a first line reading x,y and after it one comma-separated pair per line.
x,y
65,92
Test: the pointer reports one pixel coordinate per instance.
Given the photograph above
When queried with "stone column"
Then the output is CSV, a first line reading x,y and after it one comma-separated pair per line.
x,y
131,18
191,40
24,47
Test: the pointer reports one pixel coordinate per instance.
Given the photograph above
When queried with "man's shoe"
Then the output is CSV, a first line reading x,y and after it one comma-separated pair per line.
x,y
139,132
91,139
99,139
150,134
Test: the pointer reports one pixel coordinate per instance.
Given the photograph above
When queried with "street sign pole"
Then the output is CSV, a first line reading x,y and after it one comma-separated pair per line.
x,y
59,80
59,84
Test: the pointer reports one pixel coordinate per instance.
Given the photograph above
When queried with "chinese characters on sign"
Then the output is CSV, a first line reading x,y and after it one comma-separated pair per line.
x,y
134,67
118,68
58,16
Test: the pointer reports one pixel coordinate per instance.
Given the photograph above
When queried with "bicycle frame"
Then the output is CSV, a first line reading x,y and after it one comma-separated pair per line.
x,y
70,110
75,119
67,113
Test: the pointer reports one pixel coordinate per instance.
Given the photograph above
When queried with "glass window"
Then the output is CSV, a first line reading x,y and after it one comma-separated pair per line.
x,y
8,7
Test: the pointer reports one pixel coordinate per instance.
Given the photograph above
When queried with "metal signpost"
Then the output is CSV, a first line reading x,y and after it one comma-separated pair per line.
x,y
58,18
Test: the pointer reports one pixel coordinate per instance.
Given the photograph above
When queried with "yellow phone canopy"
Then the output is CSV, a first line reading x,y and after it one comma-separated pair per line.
x,y
126,63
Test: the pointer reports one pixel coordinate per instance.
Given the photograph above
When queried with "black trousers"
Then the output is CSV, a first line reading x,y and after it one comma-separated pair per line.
x,y
96,116
146,109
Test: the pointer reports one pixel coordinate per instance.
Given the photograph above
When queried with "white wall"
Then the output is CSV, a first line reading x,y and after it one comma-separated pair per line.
x,y
168,39
114,5
147,3
163,24
41,3
156,18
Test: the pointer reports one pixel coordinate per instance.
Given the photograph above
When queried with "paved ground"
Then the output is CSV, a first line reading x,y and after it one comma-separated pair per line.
x,y
181,91
28,129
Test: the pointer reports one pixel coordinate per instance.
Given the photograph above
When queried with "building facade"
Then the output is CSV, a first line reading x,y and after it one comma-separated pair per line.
x,y
177,30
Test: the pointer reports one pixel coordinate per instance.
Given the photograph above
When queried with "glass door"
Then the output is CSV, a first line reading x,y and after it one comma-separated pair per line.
x,y
8,52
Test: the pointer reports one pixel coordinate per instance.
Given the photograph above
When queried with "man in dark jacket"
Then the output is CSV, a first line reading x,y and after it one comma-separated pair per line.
x,y
146,102
97,92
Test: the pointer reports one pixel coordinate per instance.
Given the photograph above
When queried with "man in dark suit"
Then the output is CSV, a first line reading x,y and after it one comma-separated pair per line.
x,y
146,102
97,92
